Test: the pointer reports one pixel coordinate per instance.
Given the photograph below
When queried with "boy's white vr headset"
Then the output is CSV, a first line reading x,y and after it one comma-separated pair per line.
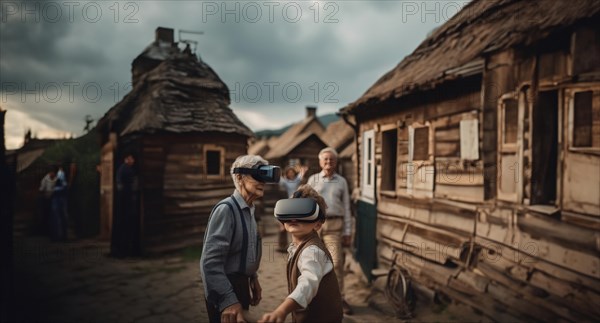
x,y
300,209
261,173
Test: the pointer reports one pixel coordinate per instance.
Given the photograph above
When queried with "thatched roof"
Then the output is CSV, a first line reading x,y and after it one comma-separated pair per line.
x,y
283,150
456,48
259,147
25,159
180,95
294,136
338,135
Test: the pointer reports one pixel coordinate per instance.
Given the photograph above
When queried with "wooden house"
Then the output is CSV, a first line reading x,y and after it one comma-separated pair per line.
x,y
177,122
479,162
340,136
300,144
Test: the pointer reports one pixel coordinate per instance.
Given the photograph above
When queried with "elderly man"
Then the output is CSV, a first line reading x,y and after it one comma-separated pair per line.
x,y
232,246
337,230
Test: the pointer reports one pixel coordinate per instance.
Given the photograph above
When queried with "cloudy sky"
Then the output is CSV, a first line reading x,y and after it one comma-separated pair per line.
x,y
63,60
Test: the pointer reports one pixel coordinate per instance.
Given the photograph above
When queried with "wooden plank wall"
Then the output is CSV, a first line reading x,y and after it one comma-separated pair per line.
x,y
107,189
309,151
177,196
511,261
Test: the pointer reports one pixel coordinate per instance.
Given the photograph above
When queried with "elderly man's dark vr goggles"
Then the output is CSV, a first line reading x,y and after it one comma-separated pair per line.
x,y
299,209
261,173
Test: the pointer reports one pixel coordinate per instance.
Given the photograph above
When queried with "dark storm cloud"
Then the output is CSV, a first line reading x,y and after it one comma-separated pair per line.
x,y
362,41
41,48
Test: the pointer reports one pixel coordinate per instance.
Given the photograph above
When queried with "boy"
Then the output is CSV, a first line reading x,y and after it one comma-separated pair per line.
x,y
312,283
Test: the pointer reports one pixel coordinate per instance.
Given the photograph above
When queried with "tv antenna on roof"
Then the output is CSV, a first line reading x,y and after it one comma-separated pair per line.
x,y
192,43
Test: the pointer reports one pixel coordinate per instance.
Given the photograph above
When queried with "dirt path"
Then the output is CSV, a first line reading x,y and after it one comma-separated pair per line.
x,y
77,282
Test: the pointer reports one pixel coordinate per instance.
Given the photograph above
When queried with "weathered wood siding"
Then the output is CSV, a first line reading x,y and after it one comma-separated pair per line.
x,y
307,153
513,245
177,195
107,189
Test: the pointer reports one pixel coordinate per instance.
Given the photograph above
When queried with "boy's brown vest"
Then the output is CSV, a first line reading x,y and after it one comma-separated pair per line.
x,y
326,306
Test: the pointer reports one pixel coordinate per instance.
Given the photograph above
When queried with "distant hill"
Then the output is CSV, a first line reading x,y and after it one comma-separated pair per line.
x,y
324,119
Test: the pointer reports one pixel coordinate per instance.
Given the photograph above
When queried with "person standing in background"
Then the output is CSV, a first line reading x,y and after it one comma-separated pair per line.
x,y
126,223
289,182
336,232
60,215
45,201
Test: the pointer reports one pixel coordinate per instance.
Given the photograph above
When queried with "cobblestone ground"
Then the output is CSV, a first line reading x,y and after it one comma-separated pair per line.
x,y
77,282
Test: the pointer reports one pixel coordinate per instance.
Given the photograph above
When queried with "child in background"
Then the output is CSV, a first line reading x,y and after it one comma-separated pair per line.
x,y
312,283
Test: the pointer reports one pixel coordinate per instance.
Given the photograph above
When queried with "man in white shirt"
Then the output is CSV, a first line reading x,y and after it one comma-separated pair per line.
x,y
45,201
336,232
47,184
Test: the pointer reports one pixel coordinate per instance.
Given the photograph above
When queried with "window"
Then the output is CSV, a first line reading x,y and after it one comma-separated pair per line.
x,y
510,118
586,120
469,139
368,169
388,160
510,121
419,143
213,160
421,172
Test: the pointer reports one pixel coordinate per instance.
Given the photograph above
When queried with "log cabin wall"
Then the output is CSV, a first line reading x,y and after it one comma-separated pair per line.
x,y
497,80
178,188
411,214
308,152
513,231
542,244
580,136
107,187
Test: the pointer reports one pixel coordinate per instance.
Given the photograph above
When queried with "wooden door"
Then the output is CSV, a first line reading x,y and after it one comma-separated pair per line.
x,y
544,145
366,217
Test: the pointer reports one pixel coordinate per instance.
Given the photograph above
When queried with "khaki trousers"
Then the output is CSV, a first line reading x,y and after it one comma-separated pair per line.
x,y
331,233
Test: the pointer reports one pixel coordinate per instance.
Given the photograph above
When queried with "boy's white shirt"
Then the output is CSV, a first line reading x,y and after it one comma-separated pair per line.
x,y
313,265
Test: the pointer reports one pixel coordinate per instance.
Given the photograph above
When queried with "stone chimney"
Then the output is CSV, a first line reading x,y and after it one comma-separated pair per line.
x,y
162,47
311,111
164,35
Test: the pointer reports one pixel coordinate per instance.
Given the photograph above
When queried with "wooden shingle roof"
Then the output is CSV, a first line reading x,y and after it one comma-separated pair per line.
x,y
338,135
294,136
181,95
456,49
